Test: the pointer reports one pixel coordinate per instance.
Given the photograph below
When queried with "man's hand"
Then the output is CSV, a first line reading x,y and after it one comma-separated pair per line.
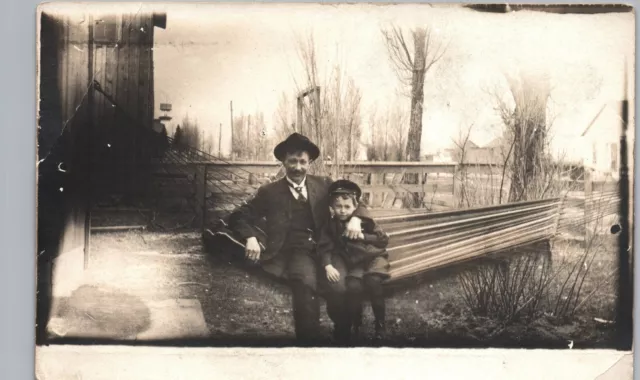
x,y
252,249
332,273
354,229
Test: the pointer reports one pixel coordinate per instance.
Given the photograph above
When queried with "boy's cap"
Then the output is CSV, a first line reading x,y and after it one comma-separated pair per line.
x,y
344,186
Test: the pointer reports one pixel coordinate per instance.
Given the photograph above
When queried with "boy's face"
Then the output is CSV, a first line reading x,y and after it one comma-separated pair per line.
x,y
343,208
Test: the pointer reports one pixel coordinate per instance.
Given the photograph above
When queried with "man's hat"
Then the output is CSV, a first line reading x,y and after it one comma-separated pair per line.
x,y
344,186
295,142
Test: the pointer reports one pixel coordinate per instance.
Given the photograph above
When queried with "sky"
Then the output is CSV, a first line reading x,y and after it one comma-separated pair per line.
x,y
210,55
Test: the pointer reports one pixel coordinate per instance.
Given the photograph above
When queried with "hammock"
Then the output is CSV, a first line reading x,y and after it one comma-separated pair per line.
x,y
427,241
422,242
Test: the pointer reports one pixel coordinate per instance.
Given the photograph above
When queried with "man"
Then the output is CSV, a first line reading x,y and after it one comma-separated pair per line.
x,y
295,214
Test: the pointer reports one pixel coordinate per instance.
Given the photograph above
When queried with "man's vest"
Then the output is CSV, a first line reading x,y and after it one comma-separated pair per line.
x,y
300,233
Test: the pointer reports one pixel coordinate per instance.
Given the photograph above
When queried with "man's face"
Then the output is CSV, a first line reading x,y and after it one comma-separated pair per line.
x,y
296,165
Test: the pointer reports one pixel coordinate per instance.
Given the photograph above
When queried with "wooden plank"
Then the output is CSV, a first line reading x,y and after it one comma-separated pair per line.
x,y
145,71
133,65
133,103
402,188
110,82
122,87
117,228
99,63
64,70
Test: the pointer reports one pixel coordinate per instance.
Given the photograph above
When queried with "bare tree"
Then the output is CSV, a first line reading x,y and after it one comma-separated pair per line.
x,y
411,66
527,130
462,144
208,144
331,116
251,140
190,135
284,118
388,133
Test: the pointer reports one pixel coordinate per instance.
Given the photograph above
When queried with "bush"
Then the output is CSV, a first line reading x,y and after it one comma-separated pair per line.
x,y
511,289
526,287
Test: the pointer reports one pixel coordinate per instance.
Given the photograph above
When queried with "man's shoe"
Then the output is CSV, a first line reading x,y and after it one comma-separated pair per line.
x,y
381,331
355,333
342,335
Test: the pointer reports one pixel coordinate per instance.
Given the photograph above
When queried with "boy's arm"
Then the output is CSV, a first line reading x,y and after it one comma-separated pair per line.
x,y
243,219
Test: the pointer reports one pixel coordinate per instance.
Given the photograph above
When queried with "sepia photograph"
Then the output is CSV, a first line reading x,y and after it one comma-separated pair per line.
x,y
307,175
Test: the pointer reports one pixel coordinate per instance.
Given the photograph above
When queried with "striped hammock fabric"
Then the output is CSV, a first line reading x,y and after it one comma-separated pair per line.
x,y
421,242
426,241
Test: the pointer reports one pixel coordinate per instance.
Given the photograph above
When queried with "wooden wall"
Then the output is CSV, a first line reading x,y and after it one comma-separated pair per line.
x,y
85,143
117,52
123,65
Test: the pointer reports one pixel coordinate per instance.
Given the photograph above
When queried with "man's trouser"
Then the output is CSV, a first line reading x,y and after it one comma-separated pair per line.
x,y
303,274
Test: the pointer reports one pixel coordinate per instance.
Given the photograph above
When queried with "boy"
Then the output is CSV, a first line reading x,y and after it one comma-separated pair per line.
x,y
366,257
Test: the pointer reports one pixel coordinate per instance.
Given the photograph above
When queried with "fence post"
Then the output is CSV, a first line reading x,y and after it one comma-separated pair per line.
x,y
204,199
373,201
588,190
455,184
200,183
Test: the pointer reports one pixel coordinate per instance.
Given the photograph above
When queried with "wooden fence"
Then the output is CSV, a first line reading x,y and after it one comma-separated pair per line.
x,y
215,188
221,186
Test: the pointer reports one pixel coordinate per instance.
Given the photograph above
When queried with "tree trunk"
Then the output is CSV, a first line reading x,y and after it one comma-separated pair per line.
x,y
529,128
417,97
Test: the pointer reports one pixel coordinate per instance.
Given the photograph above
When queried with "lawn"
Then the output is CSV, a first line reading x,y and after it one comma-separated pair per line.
x,y
242,308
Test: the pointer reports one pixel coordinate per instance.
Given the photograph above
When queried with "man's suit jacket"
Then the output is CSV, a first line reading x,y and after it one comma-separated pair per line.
x,y
270,210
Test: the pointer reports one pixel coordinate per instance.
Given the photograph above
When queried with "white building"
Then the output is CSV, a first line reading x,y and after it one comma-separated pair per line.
x,y
601,143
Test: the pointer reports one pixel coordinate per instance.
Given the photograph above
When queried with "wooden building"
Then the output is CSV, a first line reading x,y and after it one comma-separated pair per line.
x,y
95,112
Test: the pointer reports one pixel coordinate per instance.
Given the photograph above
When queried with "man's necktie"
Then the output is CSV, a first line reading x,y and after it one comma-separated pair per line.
x,y
301,196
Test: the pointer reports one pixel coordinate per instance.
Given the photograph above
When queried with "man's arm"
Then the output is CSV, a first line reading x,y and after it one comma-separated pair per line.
x,y
325,246
243,219
374,235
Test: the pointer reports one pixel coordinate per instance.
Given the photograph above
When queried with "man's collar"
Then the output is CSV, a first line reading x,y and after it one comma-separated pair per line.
x,y
302,183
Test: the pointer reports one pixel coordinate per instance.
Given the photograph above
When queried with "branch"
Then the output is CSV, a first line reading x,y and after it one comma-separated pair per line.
x,y
399,53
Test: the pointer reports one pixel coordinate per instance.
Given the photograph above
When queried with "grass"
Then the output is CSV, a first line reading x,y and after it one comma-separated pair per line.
x,y
239,306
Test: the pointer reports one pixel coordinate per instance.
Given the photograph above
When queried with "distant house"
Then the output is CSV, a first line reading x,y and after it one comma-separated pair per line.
x,y
439,156
474,154
490,154
601,143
